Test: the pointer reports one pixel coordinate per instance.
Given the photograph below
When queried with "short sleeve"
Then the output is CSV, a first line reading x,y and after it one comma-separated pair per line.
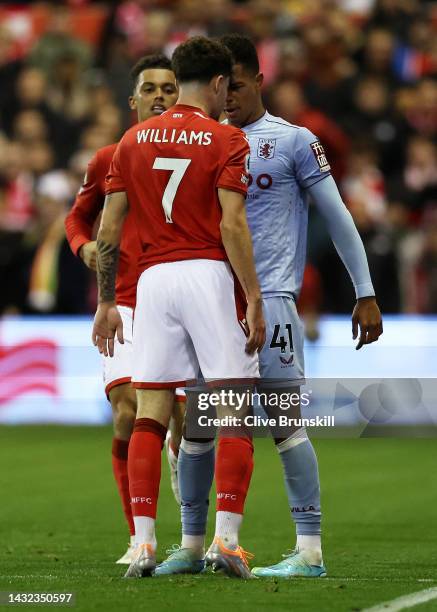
x,y
235,173
114,180
311,164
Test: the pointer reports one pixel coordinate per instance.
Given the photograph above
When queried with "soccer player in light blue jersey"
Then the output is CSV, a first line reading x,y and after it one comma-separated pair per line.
x,y
288,167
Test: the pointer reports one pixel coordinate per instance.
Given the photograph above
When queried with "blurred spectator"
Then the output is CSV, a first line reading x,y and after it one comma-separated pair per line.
x,y
292,60
394,15
421,115
40,158
378,54
47,278
415,57
219,14
17,204
68,93
9,67
363,186
30,94
330,73
57,43
29,126
372,116
416,185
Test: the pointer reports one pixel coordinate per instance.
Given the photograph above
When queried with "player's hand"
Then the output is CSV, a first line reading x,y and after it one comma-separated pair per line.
x,y
88,254
256,326
367,317
107,324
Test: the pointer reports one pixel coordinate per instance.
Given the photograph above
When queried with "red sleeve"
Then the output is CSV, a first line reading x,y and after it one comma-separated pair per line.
x,y
89,201
235,173
114,180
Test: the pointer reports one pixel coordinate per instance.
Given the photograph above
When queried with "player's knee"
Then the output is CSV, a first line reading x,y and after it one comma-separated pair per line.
x,y
123,407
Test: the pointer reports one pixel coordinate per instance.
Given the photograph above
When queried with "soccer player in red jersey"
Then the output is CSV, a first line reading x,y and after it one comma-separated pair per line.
x,y
184,176
154,92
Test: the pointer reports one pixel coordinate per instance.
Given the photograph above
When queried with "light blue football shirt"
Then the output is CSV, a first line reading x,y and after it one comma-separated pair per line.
x,y
285,160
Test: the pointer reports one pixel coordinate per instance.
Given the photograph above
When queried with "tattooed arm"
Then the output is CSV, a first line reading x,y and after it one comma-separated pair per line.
x,y
107,264
107,321
108,241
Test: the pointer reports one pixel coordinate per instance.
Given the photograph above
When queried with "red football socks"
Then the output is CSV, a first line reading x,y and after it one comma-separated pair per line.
x,y
233,471
144,466
119,468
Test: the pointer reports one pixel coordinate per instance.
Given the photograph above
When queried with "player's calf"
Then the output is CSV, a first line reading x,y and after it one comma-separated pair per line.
x,y
124,409
123,402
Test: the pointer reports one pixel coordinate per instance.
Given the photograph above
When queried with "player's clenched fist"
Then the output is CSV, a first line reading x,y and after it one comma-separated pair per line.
x,y
88,254
257,327
107,325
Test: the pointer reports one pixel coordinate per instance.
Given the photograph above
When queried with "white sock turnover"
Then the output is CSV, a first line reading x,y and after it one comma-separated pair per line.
x,y
145,531
227,526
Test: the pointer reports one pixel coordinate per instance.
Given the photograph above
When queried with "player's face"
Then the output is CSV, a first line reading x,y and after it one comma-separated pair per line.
x,y
220,87
155,92
244,96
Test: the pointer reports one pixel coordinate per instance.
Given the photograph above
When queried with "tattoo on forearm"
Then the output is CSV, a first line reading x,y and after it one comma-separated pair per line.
x,y
107,262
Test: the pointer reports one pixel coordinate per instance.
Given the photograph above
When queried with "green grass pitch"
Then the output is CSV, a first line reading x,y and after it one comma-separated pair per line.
x,y
62,526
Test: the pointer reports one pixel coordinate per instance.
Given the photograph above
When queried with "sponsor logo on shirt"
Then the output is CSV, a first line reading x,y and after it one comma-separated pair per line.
x,y
319,154
266,148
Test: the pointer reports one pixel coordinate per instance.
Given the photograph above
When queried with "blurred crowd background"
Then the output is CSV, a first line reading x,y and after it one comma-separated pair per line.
x,y
361,74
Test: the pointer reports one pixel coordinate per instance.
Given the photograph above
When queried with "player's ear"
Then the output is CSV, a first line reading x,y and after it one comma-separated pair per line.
x,y
132,103
259,79
217,82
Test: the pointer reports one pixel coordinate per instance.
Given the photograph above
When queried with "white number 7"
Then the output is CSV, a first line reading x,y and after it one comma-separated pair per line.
x,y
178,168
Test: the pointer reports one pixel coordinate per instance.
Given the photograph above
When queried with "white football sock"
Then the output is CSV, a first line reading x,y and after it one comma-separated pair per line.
x,y
132,540
227,526
172,456
145,530
311,546
196,543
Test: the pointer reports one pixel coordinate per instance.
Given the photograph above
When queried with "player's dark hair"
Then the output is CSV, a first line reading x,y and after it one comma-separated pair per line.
x,y
147,62
243,51
200,59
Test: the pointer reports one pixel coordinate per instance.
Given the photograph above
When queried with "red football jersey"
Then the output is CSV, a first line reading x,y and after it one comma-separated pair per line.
x,y
170,167
80,221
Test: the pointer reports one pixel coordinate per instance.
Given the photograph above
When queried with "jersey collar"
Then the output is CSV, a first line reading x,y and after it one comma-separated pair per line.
x,y
257,122
187,107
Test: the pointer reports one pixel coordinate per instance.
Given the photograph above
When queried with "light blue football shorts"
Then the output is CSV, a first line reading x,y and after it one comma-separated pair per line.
x,y
281,360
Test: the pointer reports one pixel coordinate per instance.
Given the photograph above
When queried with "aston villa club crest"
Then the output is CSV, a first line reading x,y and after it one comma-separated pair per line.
x,y
266,148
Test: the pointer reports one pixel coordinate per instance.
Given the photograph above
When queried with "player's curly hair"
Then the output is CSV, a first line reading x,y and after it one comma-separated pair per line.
x,y
157,60
200,59
243,51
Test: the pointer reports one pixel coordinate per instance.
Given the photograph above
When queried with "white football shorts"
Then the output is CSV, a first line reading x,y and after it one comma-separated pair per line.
x,y
117,370
186,320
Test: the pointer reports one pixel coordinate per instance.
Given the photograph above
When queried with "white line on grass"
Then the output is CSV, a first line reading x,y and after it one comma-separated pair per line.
x,y
357,579
407,601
